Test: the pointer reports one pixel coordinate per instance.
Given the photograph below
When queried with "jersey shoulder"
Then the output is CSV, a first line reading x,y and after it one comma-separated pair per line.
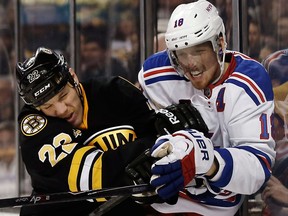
x,y
251,76
111,91
159,59
158,69
37,129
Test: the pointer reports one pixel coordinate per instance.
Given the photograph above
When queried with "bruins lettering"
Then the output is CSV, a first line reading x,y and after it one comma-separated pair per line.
x,y
112,138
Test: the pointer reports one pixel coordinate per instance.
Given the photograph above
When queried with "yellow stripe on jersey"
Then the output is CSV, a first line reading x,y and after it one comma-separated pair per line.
x,y
75,166
84,124
97,177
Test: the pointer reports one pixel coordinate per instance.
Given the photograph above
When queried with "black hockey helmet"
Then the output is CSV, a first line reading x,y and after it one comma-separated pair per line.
x,y
42,76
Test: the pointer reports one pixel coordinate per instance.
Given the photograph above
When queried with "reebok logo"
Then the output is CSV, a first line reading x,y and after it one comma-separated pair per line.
x,y
172,118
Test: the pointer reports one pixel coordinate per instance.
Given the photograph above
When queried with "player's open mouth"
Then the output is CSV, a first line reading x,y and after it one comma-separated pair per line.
x,y
195,73
70,118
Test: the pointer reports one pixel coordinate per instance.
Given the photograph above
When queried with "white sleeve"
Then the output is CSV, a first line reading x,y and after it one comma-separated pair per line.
x,y
247,157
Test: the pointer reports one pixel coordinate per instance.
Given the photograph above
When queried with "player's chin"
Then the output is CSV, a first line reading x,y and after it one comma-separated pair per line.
x,y
75,120
198,83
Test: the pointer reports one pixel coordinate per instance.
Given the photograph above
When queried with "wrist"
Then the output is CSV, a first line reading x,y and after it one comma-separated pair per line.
x,y
213,170
218,170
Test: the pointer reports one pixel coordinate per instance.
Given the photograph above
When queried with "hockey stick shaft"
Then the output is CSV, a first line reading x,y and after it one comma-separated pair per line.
x,y
73,196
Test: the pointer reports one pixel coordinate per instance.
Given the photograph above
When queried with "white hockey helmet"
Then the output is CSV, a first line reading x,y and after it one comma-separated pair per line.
x,y
195,23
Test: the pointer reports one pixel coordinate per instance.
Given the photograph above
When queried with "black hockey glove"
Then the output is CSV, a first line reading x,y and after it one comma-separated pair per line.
x,y
139,170
178,117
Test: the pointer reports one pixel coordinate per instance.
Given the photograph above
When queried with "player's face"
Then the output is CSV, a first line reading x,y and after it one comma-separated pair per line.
x,y
199,64
66,105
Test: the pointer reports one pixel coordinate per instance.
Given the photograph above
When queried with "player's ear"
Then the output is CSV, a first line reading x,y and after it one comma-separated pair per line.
x,y
221,42
72,72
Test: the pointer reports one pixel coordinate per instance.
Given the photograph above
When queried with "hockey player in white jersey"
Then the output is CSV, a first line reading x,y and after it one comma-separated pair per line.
x,y
234,95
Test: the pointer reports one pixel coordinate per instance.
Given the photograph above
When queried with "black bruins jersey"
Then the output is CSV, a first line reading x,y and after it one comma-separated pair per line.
x,y
118,125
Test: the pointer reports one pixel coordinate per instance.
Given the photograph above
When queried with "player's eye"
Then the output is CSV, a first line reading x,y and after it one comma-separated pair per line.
x,y
63,96
45,107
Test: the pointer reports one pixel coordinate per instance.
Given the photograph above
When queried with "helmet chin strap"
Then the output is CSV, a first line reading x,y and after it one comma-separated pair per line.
x,y
75,85
221,60
79,91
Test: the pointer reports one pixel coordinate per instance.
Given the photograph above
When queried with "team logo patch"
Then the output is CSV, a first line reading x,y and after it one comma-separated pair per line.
x,y
33,124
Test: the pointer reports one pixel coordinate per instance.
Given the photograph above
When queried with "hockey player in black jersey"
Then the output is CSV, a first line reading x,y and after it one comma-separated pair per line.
x,y
78,136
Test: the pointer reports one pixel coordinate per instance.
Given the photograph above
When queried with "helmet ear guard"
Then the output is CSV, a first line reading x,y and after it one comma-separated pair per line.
x,y
221,53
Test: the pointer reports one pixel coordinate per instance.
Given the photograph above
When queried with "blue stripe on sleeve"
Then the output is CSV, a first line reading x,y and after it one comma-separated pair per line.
x,y
227,171
264,156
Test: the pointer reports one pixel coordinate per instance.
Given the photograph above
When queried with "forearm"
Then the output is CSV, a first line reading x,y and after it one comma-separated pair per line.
x,y
231,171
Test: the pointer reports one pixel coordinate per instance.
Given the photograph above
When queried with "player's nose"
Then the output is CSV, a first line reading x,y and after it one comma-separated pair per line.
x,y
60,109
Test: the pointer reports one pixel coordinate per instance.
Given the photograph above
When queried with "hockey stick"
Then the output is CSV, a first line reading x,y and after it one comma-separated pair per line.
x,y
108,205
74,196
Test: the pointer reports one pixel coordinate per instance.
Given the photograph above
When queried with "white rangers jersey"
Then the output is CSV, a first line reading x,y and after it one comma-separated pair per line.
x,y
237,110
